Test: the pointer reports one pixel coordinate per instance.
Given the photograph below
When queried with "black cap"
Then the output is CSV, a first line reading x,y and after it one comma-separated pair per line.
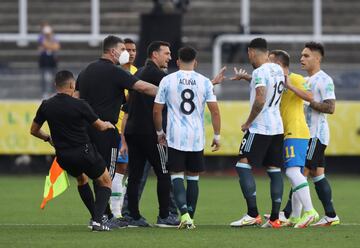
x,y
258,43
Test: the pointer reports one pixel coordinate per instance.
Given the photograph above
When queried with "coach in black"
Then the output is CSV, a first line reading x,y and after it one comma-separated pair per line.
x,y
68,119
142,139
102,85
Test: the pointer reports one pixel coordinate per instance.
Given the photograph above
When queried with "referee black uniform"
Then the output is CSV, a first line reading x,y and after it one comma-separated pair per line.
x,y
68,119
143,145
102,85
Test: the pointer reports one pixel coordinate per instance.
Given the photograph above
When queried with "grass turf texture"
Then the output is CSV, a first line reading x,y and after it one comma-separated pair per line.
x,y
63,222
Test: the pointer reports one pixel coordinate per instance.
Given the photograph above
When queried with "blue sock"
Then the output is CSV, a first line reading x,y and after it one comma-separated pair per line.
x,y
323,191
180,193
192,194
276,190
248,187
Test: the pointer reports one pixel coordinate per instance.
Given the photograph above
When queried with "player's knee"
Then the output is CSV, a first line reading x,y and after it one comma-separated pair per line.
x,y
82,179
121,168
104,180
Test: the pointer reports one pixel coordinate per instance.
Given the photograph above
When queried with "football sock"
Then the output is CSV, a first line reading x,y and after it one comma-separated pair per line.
x,y
276,191
192,193
180,193
323,191
102,196
248,187
117,195
300,186
287,210
296,206
107,209
87,197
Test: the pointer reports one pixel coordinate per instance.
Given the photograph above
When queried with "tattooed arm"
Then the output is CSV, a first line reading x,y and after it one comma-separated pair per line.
x,y
256,107
327,106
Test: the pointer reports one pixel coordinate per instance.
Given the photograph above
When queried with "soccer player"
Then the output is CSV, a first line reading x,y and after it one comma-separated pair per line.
x,y
322,87
185,93
263,140
68,118
296,138
118,183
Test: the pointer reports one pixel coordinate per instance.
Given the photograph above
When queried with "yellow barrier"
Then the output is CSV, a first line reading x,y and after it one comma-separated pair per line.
x,y
16,118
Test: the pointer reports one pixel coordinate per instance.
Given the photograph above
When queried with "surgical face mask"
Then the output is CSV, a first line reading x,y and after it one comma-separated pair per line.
x,y
124,57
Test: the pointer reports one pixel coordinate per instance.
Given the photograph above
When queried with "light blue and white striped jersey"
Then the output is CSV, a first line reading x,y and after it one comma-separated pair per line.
x,y
185,94
322,87
269,121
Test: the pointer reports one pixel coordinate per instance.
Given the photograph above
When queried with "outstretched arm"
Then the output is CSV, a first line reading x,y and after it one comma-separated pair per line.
x,y
241,74
145,87
327,106
305,95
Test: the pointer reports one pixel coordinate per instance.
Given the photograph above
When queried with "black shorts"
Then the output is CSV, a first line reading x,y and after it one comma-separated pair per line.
x,y
82,159
179,161
262,150
107,143
315,154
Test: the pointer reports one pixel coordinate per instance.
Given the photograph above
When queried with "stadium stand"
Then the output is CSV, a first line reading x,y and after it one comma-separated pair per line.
x,y
202,22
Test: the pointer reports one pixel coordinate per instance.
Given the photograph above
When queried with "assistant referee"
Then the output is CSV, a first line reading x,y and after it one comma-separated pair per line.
x,y
68,119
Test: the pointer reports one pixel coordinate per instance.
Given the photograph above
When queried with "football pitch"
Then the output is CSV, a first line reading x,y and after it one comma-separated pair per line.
x,y
63,222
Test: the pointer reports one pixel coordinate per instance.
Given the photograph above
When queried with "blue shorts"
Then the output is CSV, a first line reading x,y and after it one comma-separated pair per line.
x,y
295,152
121,159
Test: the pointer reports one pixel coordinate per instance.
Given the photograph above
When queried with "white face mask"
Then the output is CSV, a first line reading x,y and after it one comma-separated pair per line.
x,y
124,58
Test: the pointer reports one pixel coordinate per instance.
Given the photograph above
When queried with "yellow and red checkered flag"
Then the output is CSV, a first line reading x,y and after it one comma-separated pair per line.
x,y
55,183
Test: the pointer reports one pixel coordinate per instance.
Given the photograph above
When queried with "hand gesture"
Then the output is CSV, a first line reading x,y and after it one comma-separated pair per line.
x,y
240,74
219,78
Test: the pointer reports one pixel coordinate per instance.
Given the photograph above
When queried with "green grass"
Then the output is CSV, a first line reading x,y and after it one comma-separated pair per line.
x,y
220,202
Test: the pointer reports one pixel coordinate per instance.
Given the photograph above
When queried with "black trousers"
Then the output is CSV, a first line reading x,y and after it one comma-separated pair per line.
x,y
143,148
107,143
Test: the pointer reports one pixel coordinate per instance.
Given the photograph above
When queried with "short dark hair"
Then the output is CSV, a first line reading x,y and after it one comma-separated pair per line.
x,y
187,54
62,78
258,44
281,56
129,41
111,41
155,46
315,46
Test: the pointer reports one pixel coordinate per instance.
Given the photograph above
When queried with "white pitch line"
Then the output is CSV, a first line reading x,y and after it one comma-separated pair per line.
x,y
41,224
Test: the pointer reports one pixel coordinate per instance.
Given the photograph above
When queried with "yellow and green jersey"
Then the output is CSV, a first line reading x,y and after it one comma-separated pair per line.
x,y
292,110
133,70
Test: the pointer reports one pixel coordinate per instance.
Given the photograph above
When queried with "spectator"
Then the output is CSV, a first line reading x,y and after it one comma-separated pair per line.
x,y
48,46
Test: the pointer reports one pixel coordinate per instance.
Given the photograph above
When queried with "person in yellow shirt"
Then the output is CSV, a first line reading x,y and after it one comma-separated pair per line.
x,y
296,138
118,183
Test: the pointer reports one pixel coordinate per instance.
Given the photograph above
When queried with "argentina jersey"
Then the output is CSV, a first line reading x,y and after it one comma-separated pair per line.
x,y
270,76
322,87
185,94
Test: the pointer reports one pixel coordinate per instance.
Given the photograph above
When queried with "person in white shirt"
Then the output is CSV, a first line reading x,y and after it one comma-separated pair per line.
x,y
263,139
185,94
322,87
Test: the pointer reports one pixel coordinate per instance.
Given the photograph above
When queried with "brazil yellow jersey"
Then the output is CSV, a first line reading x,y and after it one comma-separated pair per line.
x,y
133,70
292,110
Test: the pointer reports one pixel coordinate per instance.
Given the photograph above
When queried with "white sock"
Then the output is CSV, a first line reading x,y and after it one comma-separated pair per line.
x,y
296,206
300,187
123,190
116,195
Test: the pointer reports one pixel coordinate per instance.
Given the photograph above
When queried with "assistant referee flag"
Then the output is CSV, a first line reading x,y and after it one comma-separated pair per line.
x,y
55,183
